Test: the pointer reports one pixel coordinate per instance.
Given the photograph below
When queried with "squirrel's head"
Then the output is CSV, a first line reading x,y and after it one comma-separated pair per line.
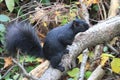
x,y
79,25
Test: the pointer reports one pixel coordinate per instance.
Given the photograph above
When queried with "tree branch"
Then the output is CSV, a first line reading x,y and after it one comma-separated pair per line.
x,y
100,33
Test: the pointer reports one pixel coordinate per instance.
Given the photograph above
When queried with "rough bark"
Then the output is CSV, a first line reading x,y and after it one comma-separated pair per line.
x,y
114,8
100,33
100,73
39,70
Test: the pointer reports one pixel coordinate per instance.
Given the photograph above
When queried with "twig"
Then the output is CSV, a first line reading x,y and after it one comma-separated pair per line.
x,y
84,11
112,48
29,7
30,12
104,12
8,71
24,71
85,15
18,77
83,64
19,12
45,15
100,11
97,53
23,15
94,20
1,57
1,63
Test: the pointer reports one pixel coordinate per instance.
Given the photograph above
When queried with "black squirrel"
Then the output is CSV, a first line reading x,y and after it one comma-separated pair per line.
x,y
21,35
58,38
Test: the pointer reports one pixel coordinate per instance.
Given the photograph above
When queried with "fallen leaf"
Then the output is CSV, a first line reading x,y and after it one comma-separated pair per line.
x,y
8,62
104,58
115,65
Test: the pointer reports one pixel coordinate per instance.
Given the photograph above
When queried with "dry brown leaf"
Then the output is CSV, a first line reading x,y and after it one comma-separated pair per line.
x,y
90,2
8,62
112,42
38,15
40,35
87,66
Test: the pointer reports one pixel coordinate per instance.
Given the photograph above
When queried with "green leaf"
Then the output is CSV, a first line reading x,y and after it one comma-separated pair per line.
x,y
2,28
16,76
30,59
74,72
70,79
105,49
1,50
17,2
1,1
4,18
95,7
10,4
47,2
87,74
7,77
0,76
2,40
27,58
29,68
16,69
64,21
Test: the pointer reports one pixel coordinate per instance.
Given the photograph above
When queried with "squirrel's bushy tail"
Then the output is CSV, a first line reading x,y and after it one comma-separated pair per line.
x,y
22,36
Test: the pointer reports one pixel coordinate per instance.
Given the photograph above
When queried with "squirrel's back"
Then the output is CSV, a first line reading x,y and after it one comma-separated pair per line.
x,y
21,35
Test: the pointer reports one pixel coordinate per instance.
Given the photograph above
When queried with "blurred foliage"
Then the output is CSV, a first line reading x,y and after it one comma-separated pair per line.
x,y
74,73
3,19
52,18
87,74
29,63
10,5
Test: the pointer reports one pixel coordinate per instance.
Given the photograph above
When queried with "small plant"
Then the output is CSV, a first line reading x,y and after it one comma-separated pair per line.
x,y
3,18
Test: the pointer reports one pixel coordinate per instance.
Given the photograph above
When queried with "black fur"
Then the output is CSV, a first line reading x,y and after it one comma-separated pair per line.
x,y
22,36
58,38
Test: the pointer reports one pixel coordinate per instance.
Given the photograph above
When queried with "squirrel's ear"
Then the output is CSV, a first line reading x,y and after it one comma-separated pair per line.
x,y
76,17
74,24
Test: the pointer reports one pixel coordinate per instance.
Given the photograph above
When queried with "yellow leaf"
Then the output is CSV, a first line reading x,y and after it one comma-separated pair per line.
x,y
57,13
91,55
104,58
113,41
105,54
96,1
77,3
80,57
115,65
90,2
40,60
72,14
31,19
45,24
